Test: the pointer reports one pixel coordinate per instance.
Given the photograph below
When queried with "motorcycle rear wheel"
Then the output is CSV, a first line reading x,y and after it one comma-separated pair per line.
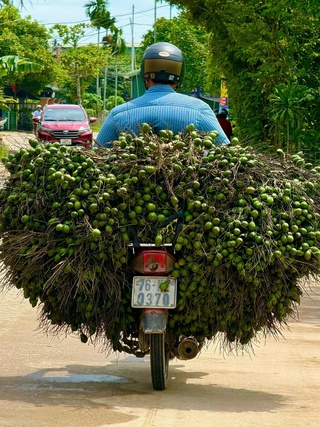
x,y
159,361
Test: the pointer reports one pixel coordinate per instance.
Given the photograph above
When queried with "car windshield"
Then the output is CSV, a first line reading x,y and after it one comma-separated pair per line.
x,y
64,114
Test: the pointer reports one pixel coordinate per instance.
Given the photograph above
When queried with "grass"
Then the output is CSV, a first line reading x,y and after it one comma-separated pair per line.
x,y
95,127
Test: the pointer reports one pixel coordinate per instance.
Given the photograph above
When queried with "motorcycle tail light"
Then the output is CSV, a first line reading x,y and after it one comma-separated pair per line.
x,y
153,262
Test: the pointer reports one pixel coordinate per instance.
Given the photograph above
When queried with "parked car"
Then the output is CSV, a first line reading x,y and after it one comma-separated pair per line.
x,y
65,123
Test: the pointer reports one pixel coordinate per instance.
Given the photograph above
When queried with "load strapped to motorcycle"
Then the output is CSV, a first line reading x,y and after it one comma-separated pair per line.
x,y
160,244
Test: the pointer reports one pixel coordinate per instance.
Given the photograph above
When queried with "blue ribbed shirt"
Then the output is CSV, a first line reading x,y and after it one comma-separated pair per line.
x,y
162,108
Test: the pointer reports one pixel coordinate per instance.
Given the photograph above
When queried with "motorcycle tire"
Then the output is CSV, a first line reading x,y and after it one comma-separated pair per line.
x,y
159,361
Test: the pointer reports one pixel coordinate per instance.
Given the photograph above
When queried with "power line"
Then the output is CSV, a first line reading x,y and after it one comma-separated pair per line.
x,y
88,20
92,34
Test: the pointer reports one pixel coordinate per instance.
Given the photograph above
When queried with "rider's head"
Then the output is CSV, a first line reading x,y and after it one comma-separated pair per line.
x,y
162,63
223,112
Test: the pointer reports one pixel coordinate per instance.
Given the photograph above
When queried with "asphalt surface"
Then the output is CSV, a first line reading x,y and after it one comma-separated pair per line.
x,y
16,139
48,381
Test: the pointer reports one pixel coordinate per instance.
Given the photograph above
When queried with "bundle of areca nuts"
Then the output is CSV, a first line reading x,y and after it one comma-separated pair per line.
x,y
249,237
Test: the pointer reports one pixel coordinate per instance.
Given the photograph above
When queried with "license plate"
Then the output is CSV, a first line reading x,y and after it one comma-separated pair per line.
x,y
154,292
66,141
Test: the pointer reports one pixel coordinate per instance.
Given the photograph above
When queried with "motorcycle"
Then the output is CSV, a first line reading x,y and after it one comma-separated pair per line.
x,y
154,292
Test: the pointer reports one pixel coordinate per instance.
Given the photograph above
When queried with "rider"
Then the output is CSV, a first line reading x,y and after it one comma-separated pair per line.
x,y
226,125
160,106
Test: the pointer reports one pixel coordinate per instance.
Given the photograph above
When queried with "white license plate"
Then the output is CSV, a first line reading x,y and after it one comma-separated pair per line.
x,y
66,141
154,292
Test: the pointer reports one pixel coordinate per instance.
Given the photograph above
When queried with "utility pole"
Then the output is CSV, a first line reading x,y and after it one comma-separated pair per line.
x,y
116,87
155,18
132,39
97,79
105,87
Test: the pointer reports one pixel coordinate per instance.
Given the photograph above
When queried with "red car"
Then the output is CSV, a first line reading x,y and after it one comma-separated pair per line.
x,y
65,123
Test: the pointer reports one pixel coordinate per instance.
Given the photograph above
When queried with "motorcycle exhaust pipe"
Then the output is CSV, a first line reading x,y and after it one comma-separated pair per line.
x,y
188,348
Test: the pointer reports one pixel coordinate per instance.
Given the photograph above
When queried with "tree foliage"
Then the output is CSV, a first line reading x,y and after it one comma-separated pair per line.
x,y
99,15
11,64
23,38
10,2
91,101
118,67
264,48
70,35
82,64
5,100
11,69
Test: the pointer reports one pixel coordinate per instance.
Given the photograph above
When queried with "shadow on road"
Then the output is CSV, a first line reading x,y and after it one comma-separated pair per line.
x,y
82,386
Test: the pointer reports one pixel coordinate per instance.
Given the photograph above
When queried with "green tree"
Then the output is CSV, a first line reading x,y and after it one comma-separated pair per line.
x,y
81,63
113,101
13,68
257,46
100,18
118,48
99,15
91,101
115,42
288,110
113,78
70,35
27,39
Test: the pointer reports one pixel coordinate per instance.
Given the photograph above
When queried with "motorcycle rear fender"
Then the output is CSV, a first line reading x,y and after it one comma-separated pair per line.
x,y
154,321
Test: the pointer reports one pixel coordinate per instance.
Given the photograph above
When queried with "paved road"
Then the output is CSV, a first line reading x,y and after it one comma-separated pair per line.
x,y
60,382
17,139
48,381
